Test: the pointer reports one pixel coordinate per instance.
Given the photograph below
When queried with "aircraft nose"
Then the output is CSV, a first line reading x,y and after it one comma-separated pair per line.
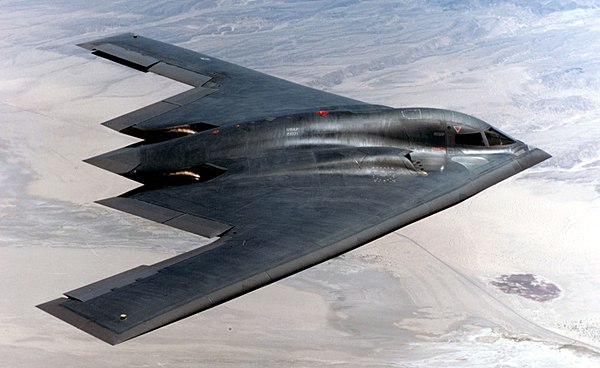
x,y
528,156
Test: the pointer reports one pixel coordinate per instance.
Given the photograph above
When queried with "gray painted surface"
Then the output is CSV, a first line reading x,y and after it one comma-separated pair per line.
x,y
288,176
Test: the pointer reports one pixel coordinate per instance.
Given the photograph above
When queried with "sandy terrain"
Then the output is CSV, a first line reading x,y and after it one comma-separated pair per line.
x,y
420,297
481,250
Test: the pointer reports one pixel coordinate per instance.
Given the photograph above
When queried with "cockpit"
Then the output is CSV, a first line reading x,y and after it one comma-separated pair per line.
x,y
488,138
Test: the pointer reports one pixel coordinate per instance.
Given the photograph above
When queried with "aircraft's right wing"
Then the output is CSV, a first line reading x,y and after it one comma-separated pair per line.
x,y
271,227
223,93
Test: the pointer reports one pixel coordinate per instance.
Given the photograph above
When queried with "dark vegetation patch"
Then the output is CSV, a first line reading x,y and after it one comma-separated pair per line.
x,y
528,286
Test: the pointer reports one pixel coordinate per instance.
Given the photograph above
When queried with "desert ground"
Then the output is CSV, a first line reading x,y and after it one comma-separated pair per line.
x,y
509,277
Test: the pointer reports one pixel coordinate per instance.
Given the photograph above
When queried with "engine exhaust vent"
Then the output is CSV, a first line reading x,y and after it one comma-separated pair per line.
x,y
185,176
162,135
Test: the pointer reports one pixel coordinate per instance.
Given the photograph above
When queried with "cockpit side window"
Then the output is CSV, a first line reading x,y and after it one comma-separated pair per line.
x,y
495,138
470,139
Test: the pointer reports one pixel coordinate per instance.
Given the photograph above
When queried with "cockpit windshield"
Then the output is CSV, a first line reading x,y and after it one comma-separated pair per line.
x,y
470,139
490,137
495,138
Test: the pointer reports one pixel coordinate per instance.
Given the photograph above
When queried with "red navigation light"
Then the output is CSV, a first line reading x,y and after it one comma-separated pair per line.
x,y
216,131
322,112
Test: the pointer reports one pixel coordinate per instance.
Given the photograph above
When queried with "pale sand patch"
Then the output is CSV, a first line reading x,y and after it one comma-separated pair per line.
x,y
513,227
54,110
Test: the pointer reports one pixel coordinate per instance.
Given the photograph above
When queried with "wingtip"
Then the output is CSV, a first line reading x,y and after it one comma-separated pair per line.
x,y
91,45
57,309
87,45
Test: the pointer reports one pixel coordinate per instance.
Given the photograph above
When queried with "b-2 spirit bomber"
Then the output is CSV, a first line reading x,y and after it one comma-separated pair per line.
x,y
285,176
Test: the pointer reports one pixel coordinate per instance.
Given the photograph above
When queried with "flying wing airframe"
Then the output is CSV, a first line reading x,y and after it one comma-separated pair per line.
x,y
285,176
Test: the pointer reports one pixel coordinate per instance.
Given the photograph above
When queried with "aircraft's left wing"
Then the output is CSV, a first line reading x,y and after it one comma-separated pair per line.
x,y
223,93
271,227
